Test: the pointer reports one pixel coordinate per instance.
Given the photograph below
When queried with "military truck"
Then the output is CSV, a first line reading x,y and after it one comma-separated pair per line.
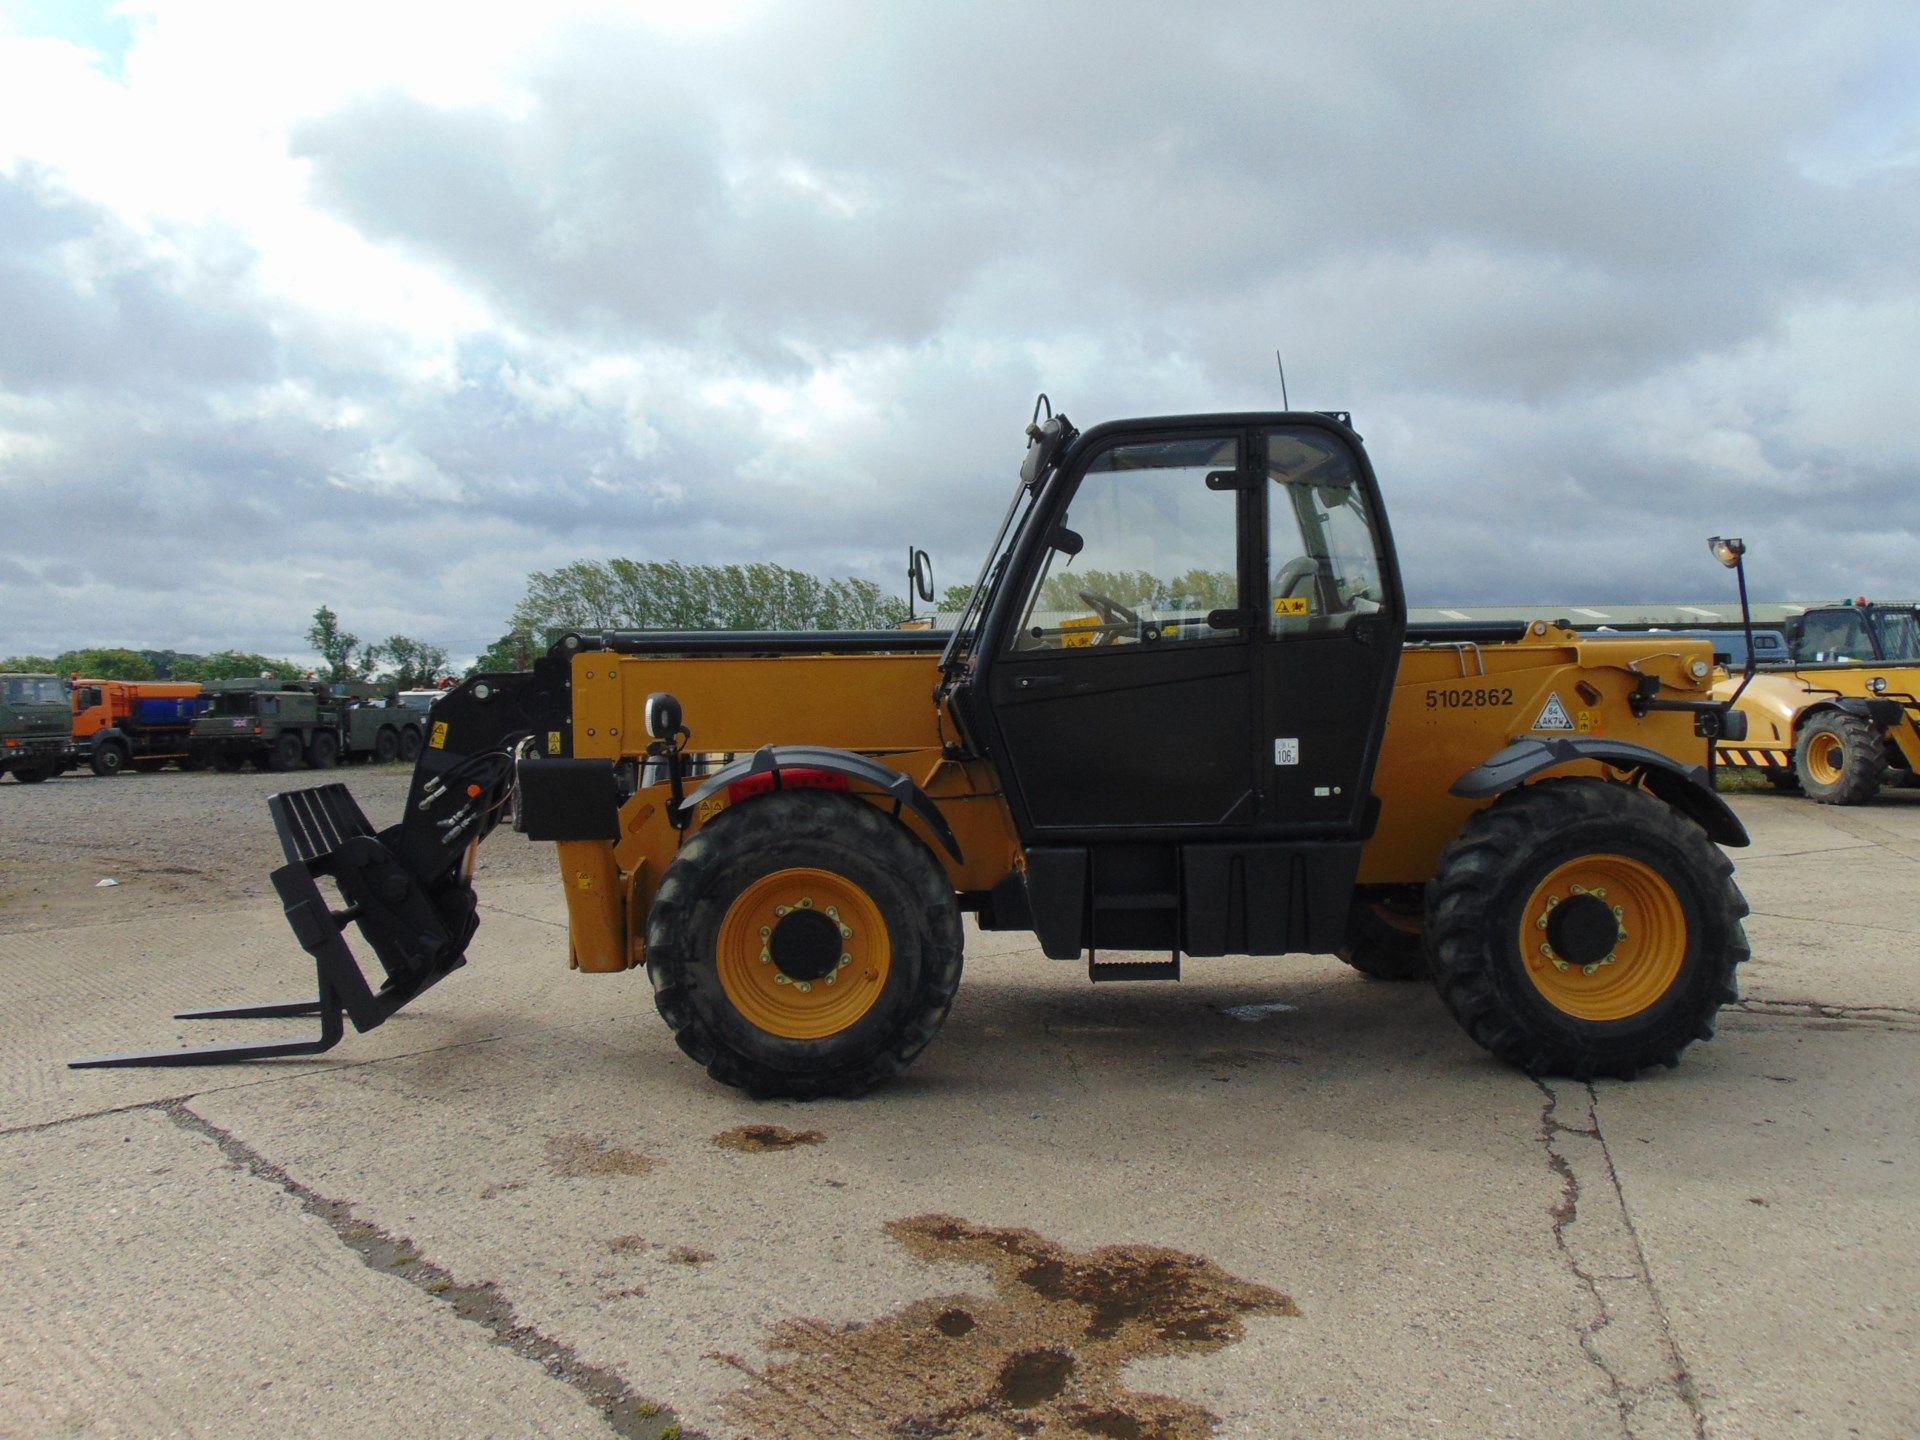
x,y
278,725
138,724
34,727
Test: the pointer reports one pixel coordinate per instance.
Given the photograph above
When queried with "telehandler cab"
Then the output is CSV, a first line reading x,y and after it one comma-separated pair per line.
x,y
1181,714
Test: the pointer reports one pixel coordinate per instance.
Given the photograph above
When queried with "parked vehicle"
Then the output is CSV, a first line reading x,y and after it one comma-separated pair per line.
x,y
35,726
142,724
1183,711
282,726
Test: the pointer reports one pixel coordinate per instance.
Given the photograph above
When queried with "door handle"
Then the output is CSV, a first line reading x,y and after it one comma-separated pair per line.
x,y
1034,682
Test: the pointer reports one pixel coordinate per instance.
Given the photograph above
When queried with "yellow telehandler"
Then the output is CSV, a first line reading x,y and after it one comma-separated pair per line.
x,y
1182,715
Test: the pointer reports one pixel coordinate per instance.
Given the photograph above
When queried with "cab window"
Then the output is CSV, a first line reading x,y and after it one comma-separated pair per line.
x,y
1323,553
1835,635
1146,553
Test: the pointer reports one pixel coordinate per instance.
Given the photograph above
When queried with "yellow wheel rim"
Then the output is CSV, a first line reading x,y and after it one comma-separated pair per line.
x,y
1826,758
820,926
1614,900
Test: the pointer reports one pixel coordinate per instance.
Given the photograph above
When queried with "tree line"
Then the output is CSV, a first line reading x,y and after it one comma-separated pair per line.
x,y
585,596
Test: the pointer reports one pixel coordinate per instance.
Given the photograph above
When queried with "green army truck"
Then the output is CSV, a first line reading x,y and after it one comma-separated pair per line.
x,y
36,727
282,726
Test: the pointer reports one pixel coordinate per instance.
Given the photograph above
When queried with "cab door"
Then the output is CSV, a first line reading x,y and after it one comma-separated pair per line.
x,y
1124,691
1333,621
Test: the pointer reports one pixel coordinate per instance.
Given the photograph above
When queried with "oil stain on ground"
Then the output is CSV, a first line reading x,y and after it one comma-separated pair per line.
x,y
1041,1355
576,1157
758,1138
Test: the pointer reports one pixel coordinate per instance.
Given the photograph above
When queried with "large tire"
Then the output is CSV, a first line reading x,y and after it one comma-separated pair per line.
x,y
409,744
1582,927
764,870
1385,936
109,758
286,753
386,746
1840,759
323,749
32,774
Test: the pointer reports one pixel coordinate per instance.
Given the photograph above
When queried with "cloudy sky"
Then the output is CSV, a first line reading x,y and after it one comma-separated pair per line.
x,y
384,305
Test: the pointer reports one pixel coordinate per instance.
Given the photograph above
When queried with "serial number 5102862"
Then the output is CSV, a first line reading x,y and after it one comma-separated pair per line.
x,y
1469,699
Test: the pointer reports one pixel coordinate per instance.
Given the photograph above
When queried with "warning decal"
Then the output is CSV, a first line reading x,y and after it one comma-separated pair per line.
x,y
1553,716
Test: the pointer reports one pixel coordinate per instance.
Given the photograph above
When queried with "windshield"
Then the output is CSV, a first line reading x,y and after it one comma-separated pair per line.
x,y
35,690
966,630
1898,634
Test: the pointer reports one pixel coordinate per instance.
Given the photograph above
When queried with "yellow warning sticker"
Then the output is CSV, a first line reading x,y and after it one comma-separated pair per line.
x,y
553,742
710,807
583,882
1077,633
1592,722
1291,605
439,740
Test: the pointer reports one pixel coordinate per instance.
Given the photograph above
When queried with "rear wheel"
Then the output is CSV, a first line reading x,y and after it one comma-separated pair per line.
x,y
804,944
109,758
386,745
1840,759
1385,936
323,749
286,753
409,743
1583,928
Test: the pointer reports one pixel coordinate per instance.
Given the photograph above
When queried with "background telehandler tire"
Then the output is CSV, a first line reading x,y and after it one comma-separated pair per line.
x,y
804,944
1386,937
1840,759
1581,927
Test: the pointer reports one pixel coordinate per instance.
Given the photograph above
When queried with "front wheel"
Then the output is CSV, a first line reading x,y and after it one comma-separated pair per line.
x,y
109,759
1840,759
286,753
33,773
409,744
1582,927
386,746
804,944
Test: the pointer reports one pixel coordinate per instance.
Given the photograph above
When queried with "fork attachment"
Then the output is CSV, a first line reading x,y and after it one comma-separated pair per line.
x,y
417,939
405,887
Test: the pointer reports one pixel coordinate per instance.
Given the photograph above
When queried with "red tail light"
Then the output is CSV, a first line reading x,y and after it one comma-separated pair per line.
x,y
748,786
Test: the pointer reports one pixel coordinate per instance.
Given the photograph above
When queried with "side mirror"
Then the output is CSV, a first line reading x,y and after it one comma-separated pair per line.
x,y
920,573
663,715
1067,542
1727,551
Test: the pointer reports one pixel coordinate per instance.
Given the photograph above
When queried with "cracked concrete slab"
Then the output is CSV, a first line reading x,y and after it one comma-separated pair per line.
x,y
153,1287
1724,1249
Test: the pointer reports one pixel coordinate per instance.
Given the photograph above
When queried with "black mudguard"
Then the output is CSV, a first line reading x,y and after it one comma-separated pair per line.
x,y
774,758
1686,788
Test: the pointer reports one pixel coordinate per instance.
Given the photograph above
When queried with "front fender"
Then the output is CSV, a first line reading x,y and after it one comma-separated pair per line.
x,y
1685,787
774,758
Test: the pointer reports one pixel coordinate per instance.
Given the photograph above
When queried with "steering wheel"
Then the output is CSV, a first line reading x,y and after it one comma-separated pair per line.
x,y
1115,618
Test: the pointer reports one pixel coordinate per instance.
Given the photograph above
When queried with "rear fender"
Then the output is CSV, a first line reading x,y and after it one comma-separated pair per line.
x,y
770,760
1685,787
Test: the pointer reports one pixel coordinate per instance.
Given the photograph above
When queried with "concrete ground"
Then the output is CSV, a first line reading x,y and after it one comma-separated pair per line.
x,y
1276,1199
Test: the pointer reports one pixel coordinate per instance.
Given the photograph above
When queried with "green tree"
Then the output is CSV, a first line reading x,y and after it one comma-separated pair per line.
x,y
406,663
590,595
516,650
98,664
335,645
234,665
27,664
